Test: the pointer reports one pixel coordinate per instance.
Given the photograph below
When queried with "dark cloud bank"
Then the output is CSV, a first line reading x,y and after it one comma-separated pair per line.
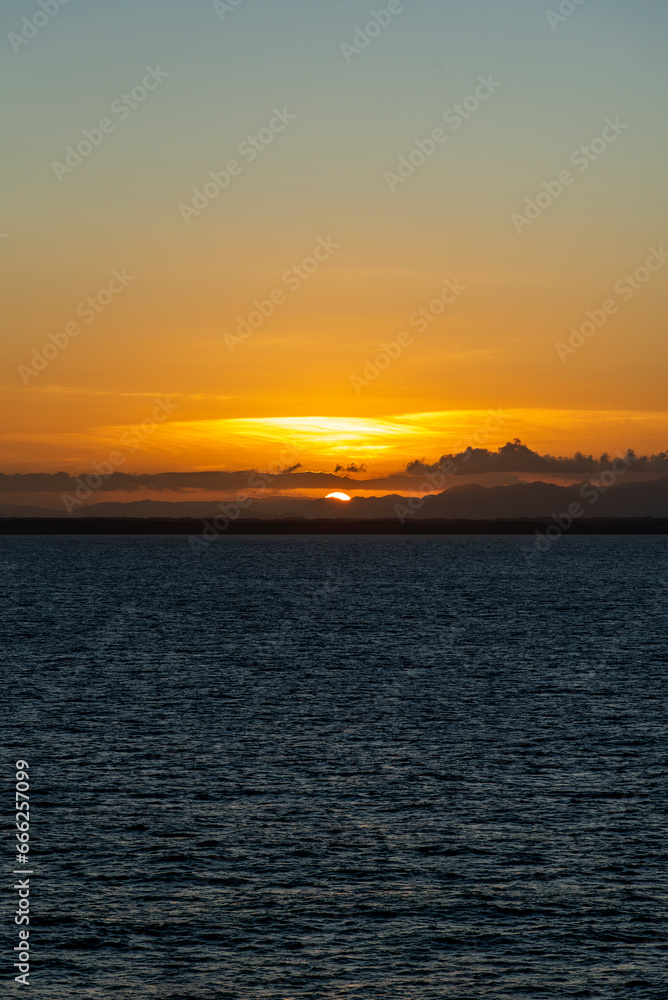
x,y
516,457
513,457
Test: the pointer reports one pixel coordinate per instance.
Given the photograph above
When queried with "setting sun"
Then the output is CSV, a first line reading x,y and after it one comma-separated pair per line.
x,y
337,496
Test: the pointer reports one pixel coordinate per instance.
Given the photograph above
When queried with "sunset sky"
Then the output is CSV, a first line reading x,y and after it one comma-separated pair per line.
x,y
315,213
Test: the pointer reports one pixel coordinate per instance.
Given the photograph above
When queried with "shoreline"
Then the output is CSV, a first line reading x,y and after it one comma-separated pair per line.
x,y
339,526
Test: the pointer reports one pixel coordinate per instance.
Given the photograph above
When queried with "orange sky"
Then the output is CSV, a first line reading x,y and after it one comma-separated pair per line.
x,y
260,318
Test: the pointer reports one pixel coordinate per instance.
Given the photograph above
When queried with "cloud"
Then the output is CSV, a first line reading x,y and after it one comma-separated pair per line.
x,y
517,457
350,468
512,459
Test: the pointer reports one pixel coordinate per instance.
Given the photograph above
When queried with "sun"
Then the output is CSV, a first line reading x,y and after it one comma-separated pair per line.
x,y
337,496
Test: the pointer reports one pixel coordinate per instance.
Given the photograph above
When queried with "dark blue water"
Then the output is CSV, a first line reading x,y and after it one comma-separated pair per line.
x,y
340,767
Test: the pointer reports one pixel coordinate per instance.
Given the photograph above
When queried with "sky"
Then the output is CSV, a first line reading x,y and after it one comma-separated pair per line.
x,y
333,232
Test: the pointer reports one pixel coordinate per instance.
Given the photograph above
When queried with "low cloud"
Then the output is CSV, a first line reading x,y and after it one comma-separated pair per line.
x,y
517,457
509,461
350,468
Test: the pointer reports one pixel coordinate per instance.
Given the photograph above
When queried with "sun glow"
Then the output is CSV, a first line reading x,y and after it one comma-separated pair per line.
x,y
337,496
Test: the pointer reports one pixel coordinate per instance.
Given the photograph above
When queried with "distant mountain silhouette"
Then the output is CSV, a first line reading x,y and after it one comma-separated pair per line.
x,y
279,507
520,500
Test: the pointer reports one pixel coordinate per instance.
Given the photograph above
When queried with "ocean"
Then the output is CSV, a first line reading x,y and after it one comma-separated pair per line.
x,y
339,767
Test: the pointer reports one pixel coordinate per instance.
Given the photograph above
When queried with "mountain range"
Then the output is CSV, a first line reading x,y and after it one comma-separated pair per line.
x,y
520,500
